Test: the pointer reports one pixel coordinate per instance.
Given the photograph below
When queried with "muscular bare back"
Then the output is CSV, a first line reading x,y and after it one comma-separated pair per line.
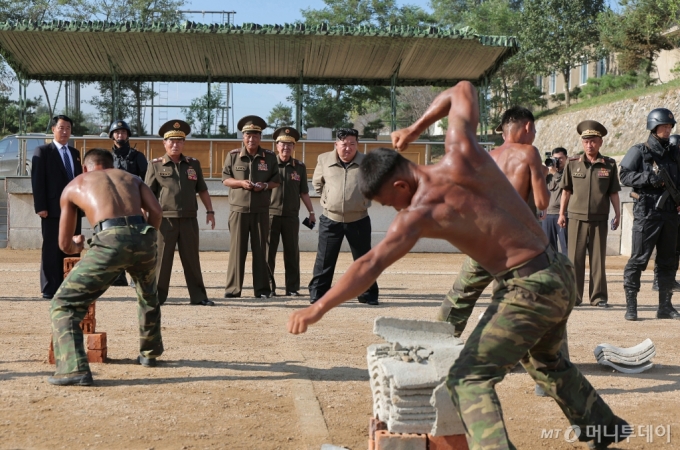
x,y
466,198
106,194
519,163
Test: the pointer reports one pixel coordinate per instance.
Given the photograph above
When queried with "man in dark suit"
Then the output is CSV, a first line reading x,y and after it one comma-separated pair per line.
x,y
54,166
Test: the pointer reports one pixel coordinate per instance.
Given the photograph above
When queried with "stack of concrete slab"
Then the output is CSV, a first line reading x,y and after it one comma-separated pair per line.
x,y
635,359
408,376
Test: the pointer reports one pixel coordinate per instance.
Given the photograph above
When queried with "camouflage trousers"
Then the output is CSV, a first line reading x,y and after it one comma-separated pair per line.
x,y
525,322
461,299
131,248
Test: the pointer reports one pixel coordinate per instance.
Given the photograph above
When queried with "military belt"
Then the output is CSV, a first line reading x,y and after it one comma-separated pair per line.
x,y
539,262
118,222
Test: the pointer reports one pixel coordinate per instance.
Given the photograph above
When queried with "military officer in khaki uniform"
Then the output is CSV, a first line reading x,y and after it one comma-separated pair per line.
x,y
284,210
250,173
175,179
590,182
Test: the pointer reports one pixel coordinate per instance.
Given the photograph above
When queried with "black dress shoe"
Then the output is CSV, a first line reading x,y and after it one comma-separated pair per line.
x,y
147,362
230,295
48,296
313,300
366,299
205,303
602,304
293,294
72,379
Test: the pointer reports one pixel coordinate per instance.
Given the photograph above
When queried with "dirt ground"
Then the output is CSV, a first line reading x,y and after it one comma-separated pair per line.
x,y
232,378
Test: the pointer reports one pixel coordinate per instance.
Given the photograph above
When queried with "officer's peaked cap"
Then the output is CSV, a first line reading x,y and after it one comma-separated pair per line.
x,y
252,124
174,129
591,128
286,134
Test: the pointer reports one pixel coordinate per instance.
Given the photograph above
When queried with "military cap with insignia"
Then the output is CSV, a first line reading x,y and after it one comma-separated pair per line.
x,y
252,124
174,129
591,128
286,134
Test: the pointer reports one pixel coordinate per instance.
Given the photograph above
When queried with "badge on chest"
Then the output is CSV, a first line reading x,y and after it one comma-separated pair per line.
x,y
295,176
603,173
261,165
165,172
191,174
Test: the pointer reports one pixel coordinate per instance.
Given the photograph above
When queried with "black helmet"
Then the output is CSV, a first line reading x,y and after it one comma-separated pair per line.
x,y
674,139
659,116
119,125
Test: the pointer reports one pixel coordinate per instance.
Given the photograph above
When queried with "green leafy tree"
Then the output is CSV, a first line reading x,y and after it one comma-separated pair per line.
x,y
638,33
333,106
131,97
381,13
280,116
557,35
202,113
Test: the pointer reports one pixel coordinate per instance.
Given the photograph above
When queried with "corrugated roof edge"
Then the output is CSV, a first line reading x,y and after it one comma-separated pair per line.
x,y
252,28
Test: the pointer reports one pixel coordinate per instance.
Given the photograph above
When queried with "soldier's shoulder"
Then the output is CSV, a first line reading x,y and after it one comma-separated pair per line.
x,y
157,160
574,158
234,151
299,163
191,159
609,159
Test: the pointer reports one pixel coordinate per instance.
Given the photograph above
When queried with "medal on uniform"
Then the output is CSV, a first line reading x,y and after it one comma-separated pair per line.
x,y
191,174
603,173
262,166
295,176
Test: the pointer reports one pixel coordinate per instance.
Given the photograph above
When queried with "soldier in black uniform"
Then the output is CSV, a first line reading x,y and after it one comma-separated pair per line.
x,y
250,173
674,140
284,210
127,159
175,179
654,224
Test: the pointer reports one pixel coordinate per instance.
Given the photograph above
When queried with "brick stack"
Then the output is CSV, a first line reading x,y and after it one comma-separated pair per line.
x,y
381,439
95,343
411,405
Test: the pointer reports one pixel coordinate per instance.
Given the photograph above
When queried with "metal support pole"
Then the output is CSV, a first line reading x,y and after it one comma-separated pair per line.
x,y
23,86
153,95
298,105
210,105
115,92
393,99
484,109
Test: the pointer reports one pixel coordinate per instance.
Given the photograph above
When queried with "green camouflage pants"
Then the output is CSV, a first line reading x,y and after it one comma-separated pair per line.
x,y
525,322
461,299
131,248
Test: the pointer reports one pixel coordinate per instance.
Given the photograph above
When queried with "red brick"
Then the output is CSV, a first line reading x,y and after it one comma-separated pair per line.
x,y
456,442
96,341
68,265
88,325
375,425
90,311
50,356
96,356
384,440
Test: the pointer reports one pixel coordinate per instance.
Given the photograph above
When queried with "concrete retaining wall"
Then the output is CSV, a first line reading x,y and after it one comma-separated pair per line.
x,y
24,224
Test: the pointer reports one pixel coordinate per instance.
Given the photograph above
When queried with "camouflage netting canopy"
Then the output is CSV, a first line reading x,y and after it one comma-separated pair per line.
x,y
251,53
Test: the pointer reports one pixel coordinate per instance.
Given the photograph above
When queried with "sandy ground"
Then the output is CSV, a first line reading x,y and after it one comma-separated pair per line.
x,y
231,377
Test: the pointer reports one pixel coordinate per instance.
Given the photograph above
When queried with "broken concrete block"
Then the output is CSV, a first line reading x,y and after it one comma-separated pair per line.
x,y
448,421
634,359
405,375
626,369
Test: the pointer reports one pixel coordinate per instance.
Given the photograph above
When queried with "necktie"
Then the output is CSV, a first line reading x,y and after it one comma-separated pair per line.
x,y
67,163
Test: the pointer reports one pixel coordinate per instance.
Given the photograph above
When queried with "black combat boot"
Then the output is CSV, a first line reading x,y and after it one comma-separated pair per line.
x,y
655,285
631,305
666,310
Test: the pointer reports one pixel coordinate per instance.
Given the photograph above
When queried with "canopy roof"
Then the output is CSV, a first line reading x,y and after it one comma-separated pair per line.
x,y
191,52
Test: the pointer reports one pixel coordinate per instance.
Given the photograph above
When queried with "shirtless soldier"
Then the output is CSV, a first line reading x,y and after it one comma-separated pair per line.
x,y
112,200
519,160
466,200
